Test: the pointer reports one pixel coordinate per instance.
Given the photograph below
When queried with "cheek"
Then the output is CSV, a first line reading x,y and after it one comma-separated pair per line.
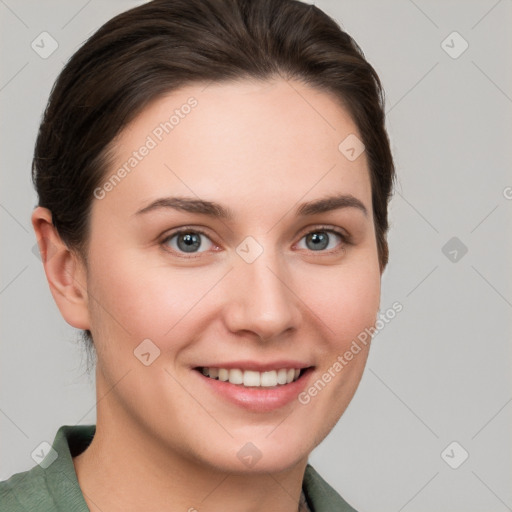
x,y
358,306
349,307
138,300
350,302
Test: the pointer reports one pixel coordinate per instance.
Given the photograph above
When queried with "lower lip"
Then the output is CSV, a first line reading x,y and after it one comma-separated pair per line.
x,y
258,399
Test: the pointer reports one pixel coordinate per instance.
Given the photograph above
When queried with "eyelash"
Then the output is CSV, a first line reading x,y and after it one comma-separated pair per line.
x,y
345,239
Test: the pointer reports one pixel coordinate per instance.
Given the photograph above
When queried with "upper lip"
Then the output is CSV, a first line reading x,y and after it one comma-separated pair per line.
x,y
257,366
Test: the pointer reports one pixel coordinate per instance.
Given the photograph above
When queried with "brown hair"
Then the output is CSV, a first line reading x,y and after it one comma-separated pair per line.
x,y
160,46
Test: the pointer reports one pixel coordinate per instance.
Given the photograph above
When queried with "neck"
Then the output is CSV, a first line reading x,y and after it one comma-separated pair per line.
x,y
125,469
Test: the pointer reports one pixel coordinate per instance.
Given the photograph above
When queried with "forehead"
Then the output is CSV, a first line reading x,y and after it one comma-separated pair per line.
x,y
242,141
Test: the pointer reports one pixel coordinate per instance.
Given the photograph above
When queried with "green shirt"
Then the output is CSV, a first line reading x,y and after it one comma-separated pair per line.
x,y
52,484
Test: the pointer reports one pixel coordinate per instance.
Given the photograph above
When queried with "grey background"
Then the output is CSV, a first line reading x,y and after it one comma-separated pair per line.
x,y
440,371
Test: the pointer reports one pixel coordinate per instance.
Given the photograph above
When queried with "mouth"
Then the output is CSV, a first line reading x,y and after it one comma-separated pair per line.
x,y
254,379
255,386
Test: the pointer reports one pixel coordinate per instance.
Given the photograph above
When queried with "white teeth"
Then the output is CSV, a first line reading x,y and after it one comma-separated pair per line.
x,y
236,376
251,378
268,379
282,376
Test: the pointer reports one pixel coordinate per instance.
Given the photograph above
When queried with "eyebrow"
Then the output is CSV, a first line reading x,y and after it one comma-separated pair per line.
x,y
215,210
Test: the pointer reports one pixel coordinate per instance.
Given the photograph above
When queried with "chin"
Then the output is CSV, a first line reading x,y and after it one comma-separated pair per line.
x,y
254,457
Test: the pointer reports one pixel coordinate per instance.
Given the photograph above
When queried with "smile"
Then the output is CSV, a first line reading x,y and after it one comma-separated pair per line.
x,y
256,391
251,378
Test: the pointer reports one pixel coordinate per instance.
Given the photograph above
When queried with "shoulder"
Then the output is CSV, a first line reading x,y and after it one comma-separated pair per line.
x,y
320,495
51,484
26,492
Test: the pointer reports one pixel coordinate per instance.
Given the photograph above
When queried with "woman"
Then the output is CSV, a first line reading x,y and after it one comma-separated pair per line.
x,y
213,180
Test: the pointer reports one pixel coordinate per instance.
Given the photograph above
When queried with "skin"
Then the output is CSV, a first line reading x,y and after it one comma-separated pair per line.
x,y
164,440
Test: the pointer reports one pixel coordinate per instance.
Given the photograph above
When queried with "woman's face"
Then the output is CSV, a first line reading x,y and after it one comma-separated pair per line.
x,y
271,285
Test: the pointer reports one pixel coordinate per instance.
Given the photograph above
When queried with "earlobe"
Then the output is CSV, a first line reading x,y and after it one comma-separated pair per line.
x,y
64,271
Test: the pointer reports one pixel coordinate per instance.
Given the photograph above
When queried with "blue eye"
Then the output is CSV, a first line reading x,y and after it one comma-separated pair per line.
x,y
187,240
190,241
320,239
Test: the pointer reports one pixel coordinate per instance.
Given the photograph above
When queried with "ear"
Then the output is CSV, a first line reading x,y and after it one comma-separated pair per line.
x,y
64,270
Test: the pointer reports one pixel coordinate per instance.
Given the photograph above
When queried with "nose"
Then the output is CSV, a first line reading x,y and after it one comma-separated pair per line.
x,y
261,298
